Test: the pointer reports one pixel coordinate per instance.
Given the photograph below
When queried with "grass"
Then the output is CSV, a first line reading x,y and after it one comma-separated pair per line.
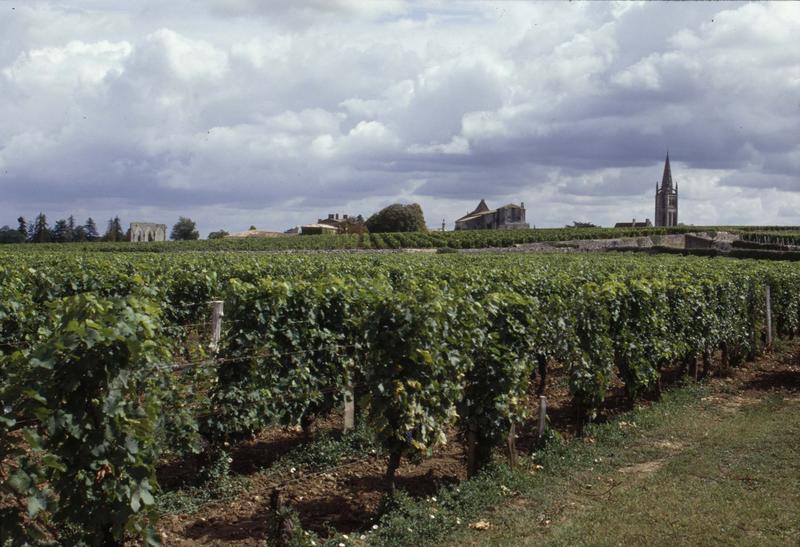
x,y
698,467
702,472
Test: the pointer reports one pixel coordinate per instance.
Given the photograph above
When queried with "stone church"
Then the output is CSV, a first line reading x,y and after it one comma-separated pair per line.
x,y
507,217
667,199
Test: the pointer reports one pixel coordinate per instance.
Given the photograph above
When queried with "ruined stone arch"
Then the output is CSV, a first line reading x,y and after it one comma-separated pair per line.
x,y
148,231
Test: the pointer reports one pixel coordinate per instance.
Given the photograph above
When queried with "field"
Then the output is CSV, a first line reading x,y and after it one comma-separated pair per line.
x,y
472,239
123,418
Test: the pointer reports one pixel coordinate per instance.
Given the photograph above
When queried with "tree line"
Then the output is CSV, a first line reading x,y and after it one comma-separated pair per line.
x,y
394,218
69,231
63,231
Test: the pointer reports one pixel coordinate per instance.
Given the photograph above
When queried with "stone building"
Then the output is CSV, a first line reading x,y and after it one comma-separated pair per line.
x,y
507,217
148,231
333,220
667,199
317,229
634,224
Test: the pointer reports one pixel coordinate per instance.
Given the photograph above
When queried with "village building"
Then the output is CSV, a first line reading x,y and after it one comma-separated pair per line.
x,y
507,217
333,220
634,224
667,199
317,229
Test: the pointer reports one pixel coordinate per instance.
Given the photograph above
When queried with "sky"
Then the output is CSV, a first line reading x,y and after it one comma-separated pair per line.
x,y
242,112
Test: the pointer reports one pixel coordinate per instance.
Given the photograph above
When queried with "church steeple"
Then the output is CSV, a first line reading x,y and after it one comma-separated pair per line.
x,y
666,198
666,180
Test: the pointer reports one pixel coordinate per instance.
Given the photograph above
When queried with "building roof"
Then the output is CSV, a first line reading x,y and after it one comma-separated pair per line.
x,y
480,209
320,226
483,209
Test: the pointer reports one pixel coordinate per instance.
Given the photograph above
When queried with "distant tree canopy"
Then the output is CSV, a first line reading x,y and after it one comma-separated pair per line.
x,y
40,231
91,230
398,218
219,234
10,235
184,229
577,224
63,231
114,231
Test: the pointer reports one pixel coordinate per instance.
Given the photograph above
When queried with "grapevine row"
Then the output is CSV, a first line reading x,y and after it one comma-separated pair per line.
x,y
436,342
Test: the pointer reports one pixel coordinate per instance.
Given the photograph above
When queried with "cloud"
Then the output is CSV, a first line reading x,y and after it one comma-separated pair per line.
x,y
273,113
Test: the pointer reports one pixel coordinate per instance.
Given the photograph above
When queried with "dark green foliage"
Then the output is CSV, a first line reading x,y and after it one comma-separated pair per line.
x,y
90,383
504,332
219,234
40,231
22,227
10,235
397,218
61,232
184,230
293,346
91,230
114,231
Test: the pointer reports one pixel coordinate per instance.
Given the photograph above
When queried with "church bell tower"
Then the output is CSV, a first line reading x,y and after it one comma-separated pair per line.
x,y
667,199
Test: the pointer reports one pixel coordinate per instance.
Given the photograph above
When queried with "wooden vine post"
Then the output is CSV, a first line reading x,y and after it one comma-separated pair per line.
x,y
768,297
542,414
512,445
472,448
216,323
349,409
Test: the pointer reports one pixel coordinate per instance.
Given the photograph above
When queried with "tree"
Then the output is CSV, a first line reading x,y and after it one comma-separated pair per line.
x,y
59,233
114,230
398,218
219,234
80,234
70,235
40,231
10,235
184,229
23,228
252,227
91,230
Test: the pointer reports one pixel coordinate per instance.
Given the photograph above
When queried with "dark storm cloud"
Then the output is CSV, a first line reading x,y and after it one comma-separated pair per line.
x,y
282,111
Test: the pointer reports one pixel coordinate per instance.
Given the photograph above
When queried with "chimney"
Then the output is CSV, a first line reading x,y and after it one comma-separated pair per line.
x,y
330,216
522,204
344,217
337,216
633,224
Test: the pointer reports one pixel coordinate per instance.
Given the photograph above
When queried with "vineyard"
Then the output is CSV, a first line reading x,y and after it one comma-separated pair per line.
x,y
108,367
470,239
